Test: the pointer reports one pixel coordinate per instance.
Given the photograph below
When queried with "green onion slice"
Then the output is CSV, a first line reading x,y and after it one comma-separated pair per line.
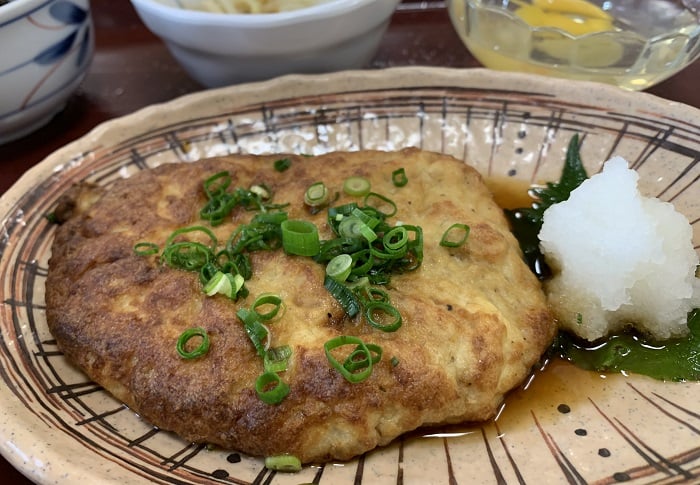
x,y
265,301
350,227
356,186
362,262
145,249
455,236
343,295
369,294
395,239
316,194
354,227
270,388
217,208
262,191
339,267
224,283
188,335
340,341
217,184
383,316
358,359
189,256
366,217
213,242
257,332
300,238
282,164
283,463
380,203
398,177
276,359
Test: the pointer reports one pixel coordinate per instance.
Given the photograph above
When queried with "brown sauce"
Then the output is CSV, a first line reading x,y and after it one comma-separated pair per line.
x,y
509,192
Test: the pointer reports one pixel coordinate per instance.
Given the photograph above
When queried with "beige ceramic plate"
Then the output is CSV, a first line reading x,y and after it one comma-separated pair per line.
x,y
564,426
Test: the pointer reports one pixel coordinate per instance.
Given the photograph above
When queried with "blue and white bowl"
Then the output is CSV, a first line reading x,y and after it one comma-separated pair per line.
x,y
46,48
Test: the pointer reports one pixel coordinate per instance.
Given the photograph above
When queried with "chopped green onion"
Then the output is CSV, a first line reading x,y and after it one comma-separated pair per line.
x,y
145,249
276,359
264,301
368,233
362,262
193,229
316,194
376,312
398,177
258,333
217,208
455,236
261,190
358,359
388,254
300,238
395,239
340,341
380,203
224,283
343,295
356,186
221,202
333,247
349,226
188,335
189,256
207,272
283,463
217,184
282,164
270,388
339,267
368,219
394,361
264,232
369,294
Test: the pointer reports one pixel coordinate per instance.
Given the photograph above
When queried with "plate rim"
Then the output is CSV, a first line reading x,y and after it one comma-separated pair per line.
x,y
456,76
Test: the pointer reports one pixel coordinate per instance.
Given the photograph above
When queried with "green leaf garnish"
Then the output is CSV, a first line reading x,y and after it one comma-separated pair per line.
x,y
527,222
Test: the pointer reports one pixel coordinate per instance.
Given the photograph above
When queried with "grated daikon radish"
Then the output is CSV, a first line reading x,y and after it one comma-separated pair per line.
x,y
619,259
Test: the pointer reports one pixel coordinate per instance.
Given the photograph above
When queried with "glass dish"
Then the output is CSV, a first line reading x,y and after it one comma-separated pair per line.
x,y
633,44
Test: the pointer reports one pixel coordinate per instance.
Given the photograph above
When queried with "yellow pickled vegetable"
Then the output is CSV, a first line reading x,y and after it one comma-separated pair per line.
x,y
577,17
573,7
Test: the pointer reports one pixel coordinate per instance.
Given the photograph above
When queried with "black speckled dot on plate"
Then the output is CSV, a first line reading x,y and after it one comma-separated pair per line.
x,y
604,452
621,477
220,474
581,432
564,408
233,458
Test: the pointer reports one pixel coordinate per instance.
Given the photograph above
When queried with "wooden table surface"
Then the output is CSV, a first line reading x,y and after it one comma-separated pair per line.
x,y
132,69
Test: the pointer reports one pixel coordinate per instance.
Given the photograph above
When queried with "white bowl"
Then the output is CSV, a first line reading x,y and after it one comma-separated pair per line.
x,y
218,49
45,49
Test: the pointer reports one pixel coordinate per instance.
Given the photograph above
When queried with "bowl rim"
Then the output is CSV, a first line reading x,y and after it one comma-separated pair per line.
x,y
331,8
15,9
533,29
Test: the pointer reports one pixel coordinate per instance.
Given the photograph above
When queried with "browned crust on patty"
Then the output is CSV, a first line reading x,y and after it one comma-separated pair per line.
x,y
475,319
